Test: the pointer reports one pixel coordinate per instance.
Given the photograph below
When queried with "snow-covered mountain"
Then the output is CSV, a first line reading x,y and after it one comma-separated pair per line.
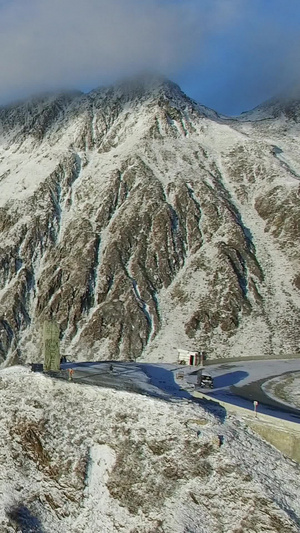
x,y
144,222
81,459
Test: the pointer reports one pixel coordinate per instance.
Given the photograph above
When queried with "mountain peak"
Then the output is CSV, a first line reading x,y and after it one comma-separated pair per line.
x,y
285,104
140,87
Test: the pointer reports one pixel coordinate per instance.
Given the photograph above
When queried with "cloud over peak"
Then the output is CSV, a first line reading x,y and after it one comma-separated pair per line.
x,y
51,43
229,54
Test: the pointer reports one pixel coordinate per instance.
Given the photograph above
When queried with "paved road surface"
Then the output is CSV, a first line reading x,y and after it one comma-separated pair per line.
x,y
235,382
240,383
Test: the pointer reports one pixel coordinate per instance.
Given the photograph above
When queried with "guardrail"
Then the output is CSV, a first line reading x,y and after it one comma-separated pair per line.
x,y
283,434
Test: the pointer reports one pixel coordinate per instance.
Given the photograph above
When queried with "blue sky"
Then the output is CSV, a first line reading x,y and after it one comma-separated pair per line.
x,y
250,60
227,54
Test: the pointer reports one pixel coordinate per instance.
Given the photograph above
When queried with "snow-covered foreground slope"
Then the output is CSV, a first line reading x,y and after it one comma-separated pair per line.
x,y
83,459
143,222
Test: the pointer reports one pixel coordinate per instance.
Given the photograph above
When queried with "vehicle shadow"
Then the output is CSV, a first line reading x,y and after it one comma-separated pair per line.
x,y
231,378
163,379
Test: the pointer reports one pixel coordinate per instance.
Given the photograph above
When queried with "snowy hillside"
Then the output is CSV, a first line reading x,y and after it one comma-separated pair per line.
x,y
82,459
144,222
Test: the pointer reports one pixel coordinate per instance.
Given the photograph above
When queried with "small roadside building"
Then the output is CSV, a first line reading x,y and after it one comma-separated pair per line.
x,y
186,357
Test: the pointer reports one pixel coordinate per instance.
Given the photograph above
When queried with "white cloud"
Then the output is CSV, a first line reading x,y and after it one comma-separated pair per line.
x,y
49,43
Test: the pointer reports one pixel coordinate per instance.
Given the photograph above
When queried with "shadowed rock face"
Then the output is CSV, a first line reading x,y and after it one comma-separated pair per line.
x,y
143,222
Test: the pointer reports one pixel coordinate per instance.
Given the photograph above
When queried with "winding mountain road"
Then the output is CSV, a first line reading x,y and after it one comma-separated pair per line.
x,y
238,382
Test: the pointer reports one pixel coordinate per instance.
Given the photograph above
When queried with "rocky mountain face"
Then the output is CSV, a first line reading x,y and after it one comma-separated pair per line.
x,y
144,222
